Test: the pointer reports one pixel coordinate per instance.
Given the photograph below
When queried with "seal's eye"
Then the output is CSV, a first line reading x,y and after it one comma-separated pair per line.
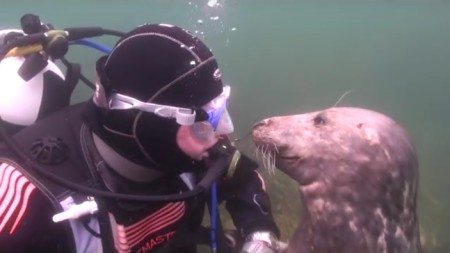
x,y
319,120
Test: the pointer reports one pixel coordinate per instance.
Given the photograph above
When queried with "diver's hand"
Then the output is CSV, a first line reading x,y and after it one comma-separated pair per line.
x,y
262,242
257,247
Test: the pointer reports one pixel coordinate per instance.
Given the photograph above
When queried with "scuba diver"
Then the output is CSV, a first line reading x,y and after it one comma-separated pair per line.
x,y
132,169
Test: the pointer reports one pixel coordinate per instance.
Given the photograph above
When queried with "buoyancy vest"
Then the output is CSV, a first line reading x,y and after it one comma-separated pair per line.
x,y
57,134
123,226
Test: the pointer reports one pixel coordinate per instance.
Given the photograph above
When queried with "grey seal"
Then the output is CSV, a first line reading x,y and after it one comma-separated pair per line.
x,y
357,172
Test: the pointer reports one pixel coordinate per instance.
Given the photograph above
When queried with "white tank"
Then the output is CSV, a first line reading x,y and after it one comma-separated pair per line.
x,y
21,101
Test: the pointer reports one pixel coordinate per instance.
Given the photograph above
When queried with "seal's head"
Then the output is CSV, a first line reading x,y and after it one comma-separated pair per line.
x,y
357,173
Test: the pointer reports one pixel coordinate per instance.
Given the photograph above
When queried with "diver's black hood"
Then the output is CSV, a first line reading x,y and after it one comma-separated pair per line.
x,y
162,64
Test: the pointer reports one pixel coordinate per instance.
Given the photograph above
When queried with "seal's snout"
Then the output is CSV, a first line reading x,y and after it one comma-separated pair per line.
x,y
259,131
262,123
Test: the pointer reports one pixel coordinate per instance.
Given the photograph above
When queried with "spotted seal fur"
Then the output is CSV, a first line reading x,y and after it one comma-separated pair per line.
x,y
358,176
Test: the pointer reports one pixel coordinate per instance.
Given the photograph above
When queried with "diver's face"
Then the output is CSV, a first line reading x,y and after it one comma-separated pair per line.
x,y
196,148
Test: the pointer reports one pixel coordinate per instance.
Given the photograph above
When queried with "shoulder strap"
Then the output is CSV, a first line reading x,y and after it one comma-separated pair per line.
x,y
96,164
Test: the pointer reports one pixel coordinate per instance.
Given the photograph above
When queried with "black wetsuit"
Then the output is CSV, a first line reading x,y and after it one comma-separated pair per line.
x,y
28,200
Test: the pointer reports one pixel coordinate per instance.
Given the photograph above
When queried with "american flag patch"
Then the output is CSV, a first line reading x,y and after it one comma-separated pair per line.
x,y
127,237
15,192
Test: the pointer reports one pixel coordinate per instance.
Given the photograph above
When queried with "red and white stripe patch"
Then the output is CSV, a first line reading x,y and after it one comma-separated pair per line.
x,y
127,237
15,192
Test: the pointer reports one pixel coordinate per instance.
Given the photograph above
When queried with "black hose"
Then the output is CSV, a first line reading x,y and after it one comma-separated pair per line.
x,y
113,32
82,77
89,190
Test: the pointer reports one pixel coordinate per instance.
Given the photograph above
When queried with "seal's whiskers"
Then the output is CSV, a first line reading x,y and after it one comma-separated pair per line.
x,y
272,156
268,157
342,97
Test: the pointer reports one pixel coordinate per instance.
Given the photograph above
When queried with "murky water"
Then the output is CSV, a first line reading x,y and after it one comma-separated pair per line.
x,y
283,57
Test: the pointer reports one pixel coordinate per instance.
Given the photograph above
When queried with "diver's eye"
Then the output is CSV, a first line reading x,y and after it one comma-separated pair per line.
x,y
319,120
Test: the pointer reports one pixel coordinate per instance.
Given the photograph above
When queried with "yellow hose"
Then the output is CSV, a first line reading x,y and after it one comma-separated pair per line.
x,y
19,51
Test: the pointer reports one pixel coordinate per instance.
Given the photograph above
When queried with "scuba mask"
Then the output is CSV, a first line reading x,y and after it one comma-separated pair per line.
x,y
209,122
218,122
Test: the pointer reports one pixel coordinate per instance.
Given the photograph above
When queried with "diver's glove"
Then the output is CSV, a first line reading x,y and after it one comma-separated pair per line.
x,y
262,242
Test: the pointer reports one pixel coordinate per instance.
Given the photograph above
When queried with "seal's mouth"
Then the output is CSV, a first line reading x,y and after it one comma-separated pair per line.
x,y
288,162
289,158
273,156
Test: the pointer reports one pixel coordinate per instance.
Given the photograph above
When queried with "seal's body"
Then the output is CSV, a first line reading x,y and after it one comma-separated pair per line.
x,y
357,173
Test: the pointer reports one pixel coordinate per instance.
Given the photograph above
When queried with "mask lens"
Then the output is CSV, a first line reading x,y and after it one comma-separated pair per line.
x,y
215,115
225,125
218,115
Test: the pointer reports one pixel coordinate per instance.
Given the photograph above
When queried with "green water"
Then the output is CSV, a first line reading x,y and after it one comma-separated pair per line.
x,y
285,57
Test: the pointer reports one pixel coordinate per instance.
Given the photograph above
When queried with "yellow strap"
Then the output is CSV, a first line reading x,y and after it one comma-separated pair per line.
x,y
233,163
19,51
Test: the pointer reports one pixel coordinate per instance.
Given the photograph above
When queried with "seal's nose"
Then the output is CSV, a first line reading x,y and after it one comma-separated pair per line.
x,y
262,123
259,129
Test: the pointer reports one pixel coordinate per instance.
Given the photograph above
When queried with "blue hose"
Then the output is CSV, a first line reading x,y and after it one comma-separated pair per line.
x,y
213,214
92,44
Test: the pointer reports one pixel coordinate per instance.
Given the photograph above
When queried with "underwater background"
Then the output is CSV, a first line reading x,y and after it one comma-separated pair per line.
x,y
286,57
